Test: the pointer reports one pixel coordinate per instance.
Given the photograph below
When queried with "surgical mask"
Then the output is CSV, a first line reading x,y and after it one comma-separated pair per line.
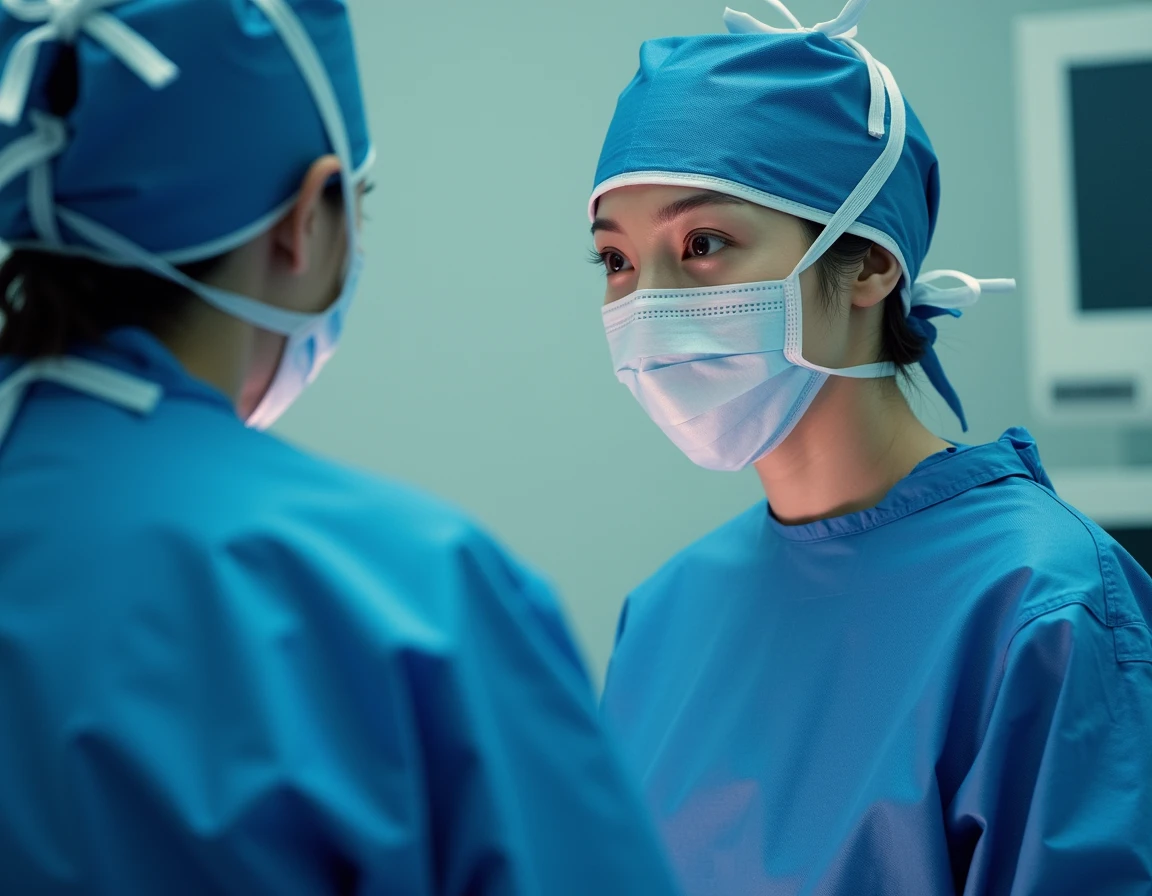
x,y
709,367
306,352
311,338
721,370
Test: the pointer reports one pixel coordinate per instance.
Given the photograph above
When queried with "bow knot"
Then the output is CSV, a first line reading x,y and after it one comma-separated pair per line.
x,y
925,292
67,17
63,21
930,301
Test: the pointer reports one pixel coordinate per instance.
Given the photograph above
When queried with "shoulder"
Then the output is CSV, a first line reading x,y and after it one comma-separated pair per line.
x,y
254,479
1030,536
286,521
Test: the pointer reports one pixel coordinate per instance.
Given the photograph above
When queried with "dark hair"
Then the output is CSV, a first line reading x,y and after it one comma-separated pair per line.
x,y
50,302
898,343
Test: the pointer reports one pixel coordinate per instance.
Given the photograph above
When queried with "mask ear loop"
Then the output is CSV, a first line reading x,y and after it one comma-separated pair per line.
x,y
859,200
884,92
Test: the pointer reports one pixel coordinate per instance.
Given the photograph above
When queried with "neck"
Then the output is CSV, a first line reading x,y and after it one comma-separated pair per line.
x,y
214,348
856,441
223,351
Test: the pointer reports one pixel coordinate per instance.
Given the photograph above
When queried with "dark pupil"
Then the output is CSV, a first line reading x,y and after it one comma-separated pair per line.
x,y
615,263
700,245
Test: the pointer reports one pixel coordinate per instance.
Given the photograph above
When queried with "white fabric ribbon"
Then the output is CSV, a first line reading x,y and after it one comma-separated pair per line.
x,y
926,292
32,154
113,386
843,26
63,21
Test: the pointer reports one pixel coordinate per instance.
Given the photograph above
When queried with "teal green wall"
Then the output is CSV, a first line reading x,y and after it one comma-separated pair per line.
x,y
475,364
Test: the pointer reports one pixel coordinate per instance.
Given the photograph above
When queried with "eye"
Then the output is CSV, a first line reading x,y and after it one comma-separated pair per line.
x,y
701,245
613,261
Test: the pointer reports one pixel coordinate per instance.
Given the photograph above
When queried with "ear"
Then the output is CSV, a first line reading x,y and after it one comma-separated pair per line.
x,y
877,279
291,237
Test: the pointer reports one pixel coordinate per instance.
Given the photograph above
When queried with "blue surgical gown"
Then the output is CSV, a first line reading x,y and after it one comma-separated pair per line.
x,y
950,693
227,666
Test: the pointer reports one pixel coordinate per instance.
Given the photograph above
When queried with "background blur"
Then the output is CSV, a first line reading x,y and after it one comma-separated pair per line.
x,y
475,365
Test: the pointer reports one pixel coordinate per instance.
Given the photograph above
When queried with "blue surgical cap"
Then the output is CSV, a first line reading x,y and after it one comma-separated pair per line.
x,y
778,119
193,126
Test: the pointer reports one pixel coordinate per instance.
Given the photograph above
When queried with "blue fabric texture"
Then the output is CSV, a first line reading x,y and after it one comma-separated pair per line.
x,y
229,667
784,114
950,693
227,143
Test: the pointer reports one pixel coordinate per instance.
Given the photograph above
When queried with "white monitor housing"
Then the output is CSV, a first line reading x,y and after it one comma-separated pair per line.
x,y
1085,112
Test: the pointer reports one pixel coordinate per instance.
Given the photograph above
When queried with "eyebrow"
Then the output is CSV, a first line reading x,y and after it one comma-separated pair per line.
x,y
673,210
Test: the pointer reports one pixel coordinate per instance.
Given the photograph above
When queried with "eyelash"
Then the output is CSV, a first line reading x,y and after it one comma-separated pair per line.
x,y
597,258
725,242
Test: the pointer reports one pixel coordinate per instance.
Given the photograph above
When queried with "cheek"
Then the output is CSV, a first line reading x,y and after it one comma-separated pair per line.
x,y
760,259
331,280
815,303
826,326
613,293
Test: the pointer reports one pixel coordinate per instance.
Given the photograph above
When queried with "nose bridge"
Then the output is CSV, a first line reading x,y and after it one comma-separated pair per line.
x,y
662,269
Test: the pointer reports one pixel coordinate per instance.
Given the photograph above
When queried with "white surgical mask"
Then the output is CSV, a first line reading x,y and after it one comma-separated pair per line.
x,y
308,349
709,367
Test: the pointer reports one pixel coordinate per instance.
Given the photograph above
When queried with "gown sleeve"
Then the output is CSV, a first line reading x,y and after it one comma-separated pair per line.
x,y
1059,799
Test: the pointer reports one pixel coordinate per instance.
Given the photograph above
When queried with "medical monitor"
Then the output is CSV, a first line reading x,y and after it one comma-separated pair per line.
x,y
1085,115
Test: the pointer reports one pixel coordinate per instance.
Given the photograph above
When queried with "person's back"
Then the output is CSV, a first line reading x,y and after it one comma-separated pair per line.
x,y
227,666
272,674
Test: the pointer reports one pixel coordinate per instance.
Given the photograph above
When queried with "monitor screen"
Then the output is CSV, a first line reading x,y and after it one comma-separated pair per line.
x,y
1137,541
1111,148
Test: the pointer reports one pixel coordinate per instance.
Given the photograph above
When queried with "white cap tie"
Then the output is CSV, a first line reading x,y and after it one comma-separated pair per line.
x,y
64,20
925,292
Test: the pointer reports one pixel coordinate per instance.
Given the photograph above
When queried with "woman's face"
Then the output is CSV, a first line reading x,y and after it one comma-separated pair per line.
x,y
659,237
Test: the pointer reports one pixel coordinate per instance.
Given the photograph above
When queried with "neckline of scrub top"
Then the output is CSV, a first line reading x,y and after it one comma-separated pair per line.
x,y
937,478
135,350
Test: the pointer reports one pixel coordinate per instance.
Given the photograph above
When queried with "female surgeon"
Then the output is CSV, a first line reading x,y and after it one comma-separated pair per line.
x,y
915,671
227,666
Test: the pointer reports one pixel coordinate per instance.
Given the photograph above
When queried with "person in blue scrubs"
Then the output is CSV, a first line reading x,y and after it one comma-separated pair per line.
x,y
915,671
228,666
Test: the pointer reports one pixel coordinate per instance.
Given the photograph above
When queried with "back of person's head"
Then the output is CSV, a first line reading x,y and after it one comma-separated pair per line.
x,y
142,142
